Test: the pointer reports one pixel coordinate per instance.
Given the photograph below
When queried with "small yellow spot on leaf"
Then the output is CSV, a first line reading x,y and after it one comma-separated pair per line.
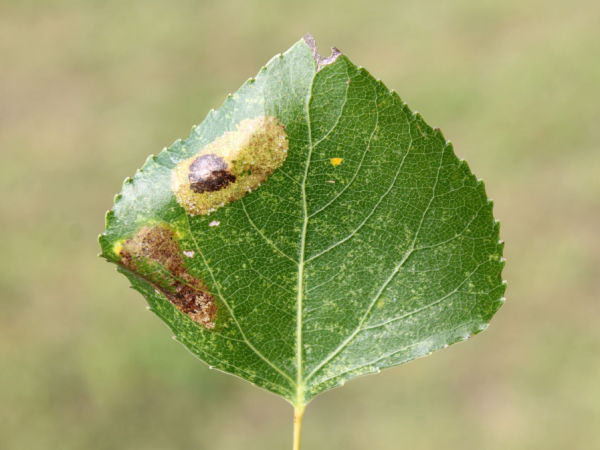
x,y
336,161
118,247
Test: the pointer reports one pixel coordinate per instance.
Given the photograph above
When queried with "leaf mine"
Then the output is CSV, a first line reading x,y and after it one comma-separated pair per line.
x,y
153,253
231,166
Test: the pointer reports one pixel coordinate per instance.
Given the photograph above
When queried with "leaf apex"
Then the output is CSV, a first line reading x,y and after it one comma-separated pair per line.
x,y
321,61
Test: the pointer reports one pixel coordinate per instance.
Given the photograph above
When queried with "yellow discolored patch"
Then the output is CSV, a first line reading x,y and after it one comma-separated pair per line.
x,y
231,166
117,247
153,253
336,161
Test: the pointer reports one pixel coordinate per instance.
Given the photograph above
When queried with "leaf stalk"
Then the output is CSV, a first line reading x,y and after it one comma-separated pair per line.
x,y
298,416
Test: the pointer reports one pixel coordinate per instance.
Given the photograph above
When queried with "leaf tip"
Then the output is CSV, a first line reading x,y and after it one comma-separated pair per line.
x,y
321,60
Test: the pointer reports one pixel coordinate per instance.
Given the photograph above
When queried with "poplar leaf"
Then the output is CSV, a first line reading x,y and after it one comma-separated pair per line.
x,y
310,230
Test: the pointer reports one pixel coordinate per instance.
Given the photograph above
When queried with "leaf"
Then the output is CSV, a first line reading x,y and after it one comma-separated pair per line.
x,y
311,230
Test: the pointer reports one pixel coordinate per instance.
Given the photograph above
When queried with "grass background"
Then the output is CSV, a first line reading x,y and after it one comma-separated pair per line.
x,y
89,88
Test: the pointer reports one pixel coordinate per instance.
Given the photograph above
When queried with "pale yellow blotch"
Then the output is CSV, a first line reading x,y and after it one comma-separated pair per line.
x,y
336,161
380,304
252,152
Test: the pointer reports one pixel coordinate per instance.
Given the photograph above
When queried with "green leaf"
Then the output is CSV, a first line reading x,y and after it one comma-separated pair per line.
x,y
311,230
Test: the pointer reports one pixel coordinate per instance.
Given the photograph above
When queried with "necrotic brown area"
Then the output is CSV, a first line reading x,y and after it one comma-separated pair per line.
x,y
209,173
199,305
155,248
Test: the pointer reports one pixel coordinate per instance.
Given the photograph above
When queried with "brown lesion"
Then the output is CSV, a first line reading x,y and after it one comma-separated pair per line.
x,y
153,253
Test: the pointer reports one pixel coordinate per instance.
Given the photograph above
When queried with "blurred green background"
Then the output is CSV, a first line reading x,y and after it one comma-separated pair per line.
x,y
89,88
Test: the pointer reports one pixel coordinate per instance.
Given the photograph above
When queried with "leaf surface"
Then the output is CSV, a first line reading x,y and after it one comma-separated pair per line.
x,y
337,234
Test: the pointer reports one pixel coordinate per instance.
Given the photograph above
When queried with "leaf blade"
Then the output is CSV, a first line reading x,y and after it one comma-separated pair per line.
x,y
371,246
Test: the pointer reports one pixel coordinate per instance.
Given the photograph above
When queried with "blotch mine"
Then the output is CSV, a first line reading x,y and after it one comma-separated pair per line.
x,y
231,166
153,253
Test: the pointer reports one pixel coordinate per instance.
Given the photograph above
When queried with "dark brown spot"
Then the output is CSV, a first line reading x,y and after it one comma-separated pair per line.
x,y
209,173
